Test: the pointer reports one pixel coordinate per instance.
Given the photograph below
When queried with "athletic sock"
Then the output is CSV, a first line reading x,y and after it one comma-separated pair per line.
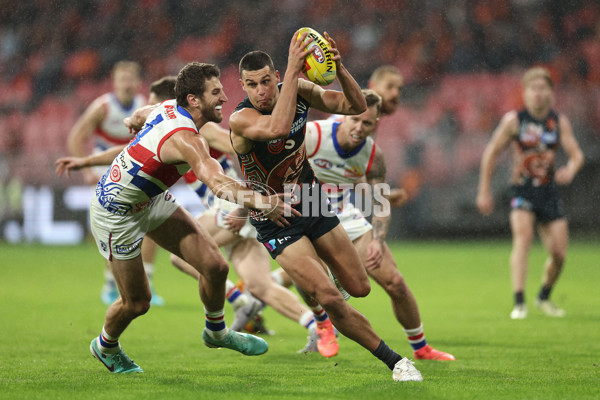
x,y
108,344
215,324
519,297
387,355
319,313
234,296
545,292
416,337
307,320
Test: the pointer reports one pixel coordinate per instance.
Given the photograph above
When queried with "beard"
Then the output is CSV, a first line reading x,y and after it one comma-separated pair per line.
x,y
212,115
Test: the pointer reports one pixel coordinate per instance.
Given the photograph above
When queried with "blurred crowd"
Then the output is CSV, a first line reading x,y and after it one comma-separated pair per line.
x,y
48,46
461,61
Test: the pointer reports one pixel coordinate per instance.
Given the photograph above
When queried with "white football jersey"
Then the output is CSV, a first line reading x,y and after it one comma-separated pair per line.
x,y
137,174
112,131
336,168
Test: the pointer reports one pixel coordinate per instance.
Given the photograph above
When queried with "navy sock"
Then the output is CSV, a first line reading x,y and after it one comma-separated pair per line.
x,y
519,297
545,292
387,355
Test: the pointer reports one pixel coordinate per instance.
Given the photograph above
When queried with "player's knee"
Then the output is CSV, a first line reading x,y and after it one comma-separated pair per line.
x,y
359,289
395,286
139,307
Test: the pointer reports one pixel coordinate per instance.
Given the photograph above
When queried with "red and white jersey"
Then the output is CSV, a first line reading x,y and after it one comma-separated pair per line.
x,y
112,131
138,175
336,168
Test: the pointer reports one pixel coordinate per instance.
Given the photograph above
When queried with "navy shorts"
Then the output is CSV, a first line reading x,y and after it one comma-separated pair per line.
x,y
543,201
312,224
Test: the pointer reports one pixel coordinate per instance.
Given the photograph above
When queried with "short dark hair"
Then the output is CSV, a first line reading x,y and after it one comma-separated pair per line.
x,y
256,60
192,80
373,99
164,88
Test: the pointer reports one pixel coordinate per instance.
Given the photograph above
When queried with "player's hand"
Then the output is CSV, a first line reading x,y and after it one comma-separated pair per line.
x,y
334,50
278,211
398,197
64,165
297,52
133,130
485,203
236,219
563,176
374,255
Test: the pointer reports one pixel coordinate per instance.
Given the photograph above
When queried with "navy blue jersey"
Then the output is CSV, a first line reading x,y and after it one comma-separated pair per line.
x,y
535,145
278,162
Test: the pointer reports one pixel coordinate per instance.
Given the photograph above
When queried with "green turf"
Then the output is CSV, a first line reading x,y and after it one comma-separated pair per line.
x,y
50,310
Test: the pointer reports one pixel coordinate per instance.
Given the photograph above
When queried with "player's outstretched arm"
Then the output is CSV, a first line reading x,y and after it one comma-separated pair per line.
x,y
501,137
65,164
193,149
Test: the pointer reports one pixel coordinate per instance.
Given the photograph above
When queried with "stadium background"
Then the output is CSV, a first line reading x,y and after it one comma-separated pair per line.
x,y
461,60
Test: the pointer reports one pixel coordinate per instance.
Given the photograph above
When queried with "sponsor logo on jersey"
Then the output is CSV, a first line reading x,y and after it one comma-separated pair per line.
x,y
115,173
170,111
323,163
128,248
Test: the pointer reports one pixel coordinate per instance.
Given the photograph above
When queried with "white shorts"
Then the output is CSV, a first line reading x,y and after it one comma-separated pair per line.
x,y
353,221
120,236
219,209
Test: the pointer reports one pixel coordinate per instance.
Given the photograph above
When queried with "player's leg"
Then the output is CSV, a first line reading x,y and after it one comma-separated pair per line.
x,y
522,228
181,235
301,262
555,236
403,301
148,256
134,300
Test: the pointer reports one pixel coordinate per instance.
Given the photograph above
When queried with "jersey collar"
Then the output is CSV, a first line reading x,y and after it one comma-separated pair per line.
x,y
341,152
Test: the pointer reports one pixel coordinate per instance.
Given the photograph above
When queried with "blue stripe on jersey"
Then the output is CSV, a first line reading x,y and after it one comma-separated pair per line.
x,y
145,129
150,188
341,152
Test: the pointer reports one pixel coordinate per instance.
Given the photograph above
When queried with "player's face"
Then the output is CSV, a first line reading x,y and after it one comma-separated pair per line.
x,y
356,128
389,87
538,95
261,87
212,100
126,84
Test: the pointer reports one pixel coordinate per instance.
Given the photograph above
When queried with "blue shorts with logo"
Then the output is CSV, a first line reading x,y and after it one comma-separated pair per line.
x,y
543,201
313,224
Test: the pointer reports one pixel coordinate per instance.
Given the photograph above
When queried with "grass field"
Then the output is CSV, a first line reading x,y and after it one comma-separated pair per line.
x,y
50,310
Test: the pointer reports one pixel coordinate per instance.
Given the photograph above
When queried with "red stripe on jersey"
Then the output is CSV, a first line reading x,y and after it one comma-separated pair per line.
x,y
318,140
373,151
165,173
